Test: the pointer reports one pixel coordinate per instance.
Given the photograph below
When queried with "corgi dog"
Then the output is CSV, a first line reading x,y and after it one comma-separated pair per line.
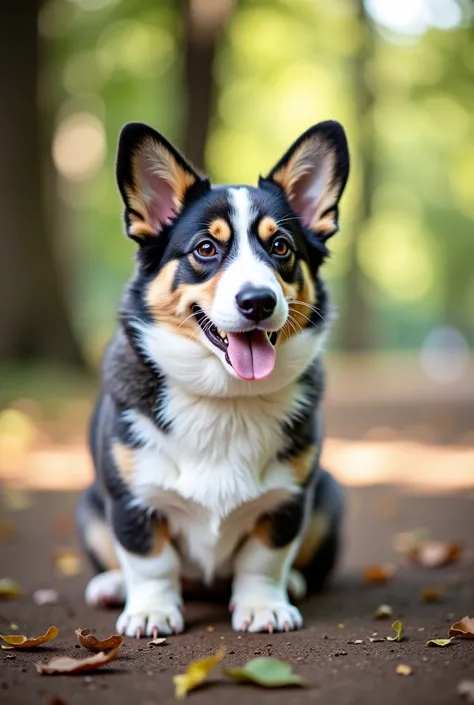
x,y
206,440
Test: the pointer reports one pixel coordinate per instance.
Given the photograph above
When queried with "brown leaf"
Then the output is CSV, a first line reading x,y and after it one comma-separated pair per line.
x,y
89,641
435,554
432,594
67,562
465,690
7,531
18,641
464,629
403,670
378,574
54,700
66,664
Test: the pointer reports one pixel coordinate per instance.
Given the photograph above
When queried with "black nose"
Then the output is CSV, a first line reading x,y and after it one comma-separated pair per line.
x,y
256,303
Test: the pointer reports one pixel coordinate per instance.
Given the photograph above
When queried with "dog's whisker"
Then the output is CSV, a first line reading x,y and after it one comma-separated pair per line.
x,y
310,306
300,313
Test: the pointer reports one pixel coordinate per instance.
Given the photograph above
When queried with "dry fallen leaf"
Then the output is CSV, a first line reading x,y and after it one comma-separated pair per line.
x,y
55,700
45,596
432,594
403,670
439,642
383,612
398,626
464,629
89,641
66,664
7,531
466,690
157,642
266,671
435,554
8,589
68,562
379,574
196,674
18,641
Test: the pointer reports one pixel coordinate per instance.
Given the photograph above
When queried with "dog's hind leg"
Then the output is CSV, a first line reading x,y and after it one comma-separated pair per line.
x,y
320,547
107,588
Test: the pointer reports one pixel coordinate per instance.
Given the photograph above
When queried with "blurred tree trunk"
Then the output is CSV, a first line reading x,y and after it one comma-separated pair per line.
x,y
357,330
34,320
205,21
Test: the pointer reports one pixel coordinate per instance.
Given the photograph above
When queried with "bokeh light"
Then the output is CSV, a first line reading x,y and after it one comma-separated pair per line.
x,y
79,146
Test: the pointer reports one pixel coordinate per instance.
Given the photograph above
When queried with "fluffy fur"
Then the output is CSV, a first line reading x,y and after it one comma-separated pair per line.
x,y
207,437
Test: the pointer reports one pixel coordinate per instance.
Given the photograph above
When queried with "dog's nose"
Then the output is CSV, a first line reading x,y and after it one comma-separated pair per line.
x,y
256,303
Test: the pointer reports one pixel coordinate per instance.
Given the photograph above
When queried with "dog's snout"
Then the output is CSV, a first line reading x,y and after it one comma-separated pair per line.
x,y
256,303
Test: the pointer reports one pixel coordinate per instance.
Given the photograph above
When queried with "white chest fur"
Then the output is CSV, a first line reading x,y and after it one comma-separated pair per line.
x,y
216,472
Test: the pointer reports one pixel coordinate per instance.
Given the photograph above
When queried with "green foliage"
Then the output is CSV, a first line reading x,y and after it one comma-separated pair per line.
x,y
283,65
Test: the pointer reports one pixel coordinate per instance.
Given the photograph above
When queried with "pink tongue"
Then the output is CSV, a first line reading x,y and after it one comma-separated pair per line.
x,y
251,354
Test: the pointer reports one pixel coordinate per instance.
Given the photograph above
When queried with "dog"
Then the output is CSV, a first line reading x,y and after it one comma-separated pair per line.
x,y
206,440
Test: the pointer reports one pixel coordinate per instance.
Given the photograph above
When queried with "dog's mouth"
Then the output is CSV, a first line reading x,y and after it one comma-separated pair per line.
x,y
251,354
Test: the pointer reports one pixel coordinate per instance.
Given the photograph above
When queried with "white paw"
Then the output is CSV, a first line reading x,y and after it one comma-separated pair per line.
x,y
151,615
106,589
269,616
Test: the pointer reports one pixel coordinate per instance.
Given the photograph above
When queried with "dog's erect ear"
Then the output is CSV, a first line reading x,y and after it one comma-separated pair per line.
x,y
154,179
313,174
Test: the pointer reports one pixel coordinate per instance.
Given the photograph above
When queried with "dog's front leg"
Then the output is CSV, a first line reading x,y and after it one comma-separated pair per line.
x,y
259,601
150,566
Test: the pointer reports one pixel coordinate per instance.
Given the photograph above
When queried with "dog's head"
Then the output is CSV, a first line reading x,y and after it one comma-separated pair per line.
x,y
232,270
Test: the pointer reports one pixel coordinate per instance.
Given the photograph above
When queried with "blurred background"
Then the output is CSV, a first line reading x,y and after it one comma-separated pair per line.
x,y
233,83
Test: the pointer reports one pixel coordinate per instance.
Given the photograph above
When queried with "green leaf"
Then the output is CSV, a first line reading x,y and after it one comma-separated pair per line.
x,y
267,672
398,626
439,642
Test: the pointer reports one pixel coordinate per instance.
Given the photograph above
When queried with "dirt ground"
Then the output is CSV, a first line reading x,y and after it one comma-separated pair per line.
x,y
338,672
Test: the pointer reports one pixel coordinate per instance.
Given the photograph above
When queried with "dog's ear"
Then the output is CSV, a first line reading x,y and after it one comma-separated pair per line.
x,y
154,179
312,174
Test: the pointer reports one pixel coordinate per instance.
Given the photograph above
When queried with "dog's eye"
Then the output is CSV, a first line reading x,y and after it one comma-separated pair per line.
x,y
280,247
206,249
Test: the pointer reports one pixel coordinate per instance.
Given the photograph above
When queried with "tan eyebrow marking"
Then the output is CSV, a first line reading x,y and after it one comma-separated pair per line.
x,y
220,230
266,228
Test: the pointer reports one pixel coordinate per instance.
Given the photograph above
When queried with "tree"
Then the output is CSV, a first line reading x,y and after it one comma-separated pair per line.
x,y
34,317
204,23
356,329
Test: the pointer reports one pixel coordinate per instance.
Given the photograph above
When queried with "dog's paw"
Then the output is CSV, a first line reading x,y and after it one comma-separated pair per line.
x,y
268,616
106,589
159,617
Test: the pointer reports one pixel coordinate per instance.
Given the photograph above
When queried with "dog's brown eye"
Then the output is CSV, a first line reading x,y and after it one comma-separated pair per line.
x,y
206,249
280,247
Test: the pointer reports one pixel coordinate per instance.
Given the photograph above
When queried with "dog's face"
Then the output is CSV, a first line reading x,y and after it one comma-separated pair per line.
x,y
233,269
